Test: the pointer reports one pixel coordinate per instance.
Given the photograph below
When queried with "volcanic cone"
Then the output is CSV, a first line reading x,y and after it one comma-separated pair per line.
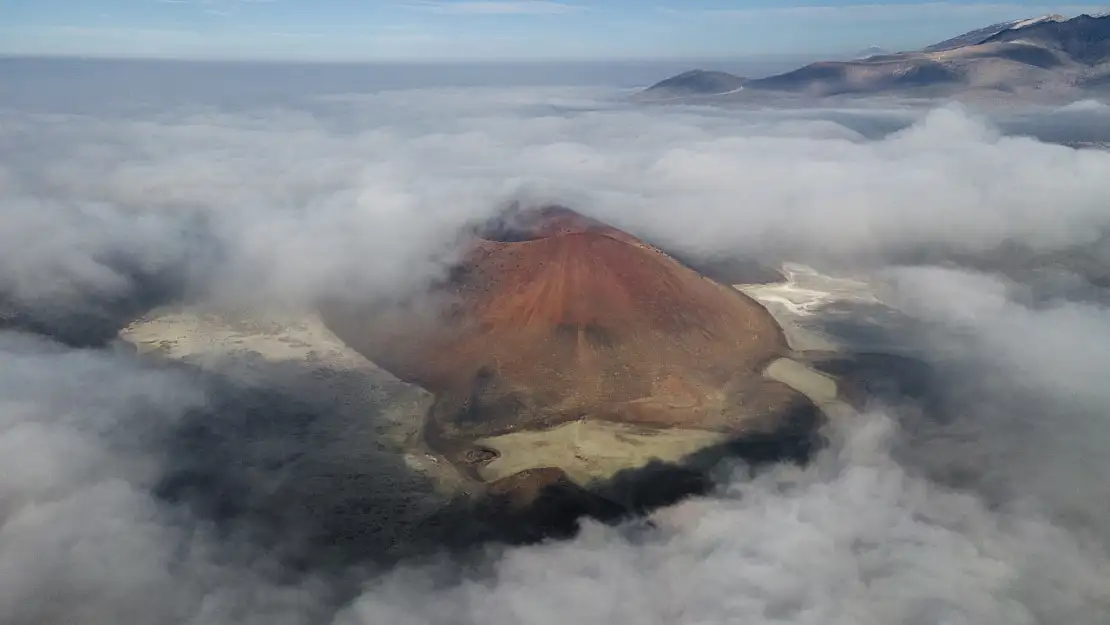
x,y
552,317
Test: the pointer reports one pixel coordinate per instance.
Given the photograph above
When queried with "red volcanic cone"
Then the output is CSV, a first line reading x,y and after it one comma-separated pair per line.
x,y
552,317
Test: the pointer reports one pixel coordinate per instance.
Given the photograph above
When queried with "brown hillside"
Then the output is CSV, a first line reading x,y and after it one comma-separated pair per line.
x,y
554,317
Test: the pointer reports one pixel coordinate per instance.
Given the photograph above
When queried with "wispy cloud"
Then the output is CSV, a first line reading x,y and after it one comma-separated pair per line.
x,y
215,2
218,7
496,7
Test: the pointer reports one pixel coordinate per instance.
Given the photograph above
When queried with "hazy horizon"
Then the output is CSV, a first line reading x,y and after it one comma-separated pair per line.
x,y
337,30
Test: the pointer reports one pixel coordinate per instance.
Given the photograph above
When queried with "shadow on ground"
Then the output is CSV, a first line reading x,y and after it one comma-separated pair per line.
x,y
296,466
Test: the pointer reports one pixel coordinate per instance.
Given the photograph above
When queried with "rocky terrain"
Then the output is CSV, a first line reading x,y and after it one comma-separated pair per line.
x,y
1042,58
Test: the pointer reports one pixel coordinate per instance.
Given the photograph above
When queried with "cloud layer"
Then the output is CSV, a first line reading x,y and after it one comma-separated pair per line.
x,y
984,506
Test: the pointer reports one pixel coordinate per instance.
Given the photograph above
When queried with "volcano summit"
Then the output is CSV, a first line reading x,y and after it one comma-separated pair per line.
x,y
558,341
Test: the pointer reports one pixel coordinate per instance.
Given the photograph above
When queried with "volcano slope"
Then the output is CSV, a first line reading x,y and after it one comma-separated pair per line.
x,y
560,342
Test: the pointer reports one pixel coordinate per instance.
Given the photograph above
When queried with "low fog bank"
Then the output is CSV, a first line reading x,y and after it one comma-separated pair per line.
x,y
1025,409
82,538
853,538
367,192
152,493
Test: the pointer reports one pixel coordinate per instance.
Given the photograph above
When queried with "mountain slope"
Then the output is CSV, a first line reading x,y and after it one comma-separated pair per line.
x,y
1085,38
1047,56
981,35
698,82
831,78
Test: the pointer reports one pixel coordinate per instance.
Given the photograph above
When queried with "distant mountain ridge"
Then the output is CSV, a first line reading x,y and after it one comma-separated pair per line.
x,y
698,82
1047,55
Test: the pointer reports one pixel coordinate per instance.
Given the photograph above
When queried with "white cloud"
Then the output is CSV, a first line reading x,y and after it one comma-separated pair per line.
x,y
222,8
508,7
854,538
282,201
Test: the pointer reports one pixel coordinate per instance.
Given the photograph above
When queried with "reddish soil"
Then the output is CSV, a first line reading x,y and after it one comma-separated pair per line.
x,y
553,317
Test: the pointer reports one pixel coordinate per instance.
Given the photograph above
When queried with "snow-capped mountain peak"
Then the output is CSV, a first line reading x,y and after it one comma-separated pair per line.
x,y
982,34
1035,20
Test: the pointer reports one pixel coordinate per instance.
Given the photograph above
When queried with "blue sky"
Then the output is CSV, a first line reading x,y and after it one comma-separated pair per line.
x,y
470,30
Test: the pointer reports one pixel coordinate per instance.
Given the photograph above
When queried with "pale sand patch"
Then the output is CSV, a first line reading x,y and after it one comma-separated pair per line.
x,y
805,290
591,450
802,295
597,450
252,349
819,387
